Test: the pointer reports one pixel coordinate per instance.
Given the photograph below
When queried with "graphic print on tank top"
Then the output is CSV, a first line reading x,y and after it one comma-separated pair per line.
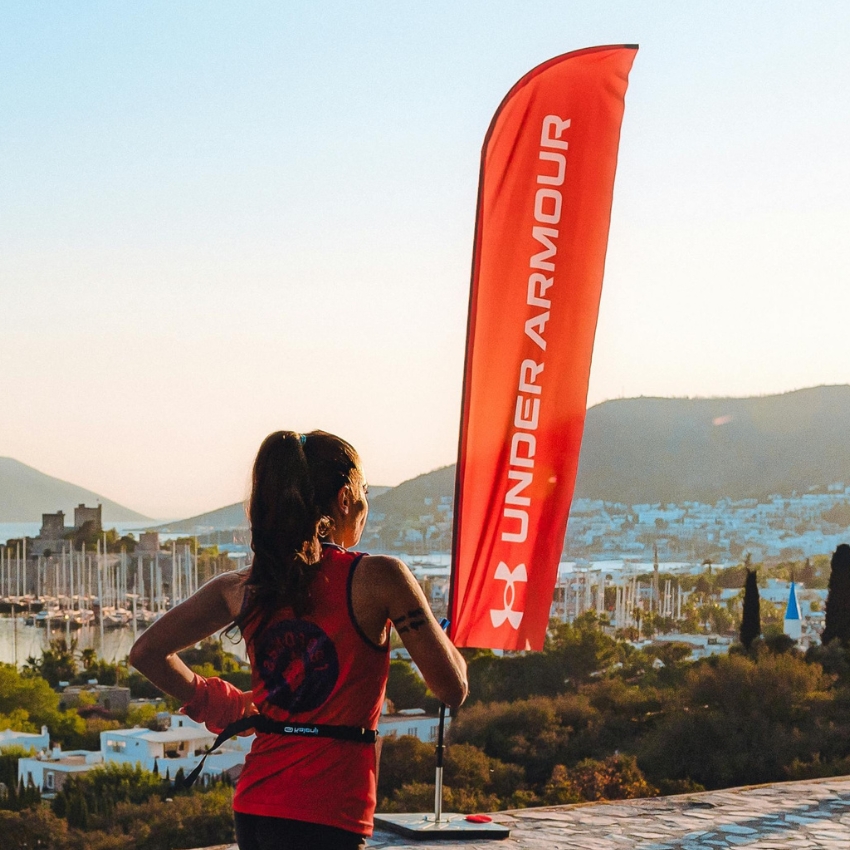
x,y
298,665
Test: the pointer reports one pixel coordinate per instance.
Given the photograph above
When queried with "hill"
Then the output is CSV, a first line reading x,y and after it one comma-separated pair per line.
x,y
704,449
408,499
229,517
224,519
26,493
648,450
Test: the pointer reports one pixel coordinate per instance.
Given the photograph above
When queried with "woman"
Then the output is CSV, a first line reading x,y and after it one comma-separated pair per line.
x,y
316,619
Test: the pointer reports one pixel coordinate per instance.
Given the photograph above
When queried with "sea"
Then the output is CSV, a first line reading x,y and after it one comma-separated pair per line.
x,y
18,642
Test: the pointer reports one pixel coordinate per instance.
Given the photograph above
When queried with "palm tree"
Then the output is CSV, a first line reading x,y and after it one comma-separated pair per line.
x,y
89,658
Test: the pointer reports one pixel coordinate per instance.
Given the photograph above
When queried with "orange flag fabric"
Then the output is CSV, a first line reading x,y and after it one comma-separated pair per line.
x,y
544,208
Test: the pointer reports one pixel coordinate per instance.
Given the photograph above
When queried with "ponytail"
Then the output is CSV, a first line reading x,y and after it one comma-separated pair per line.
x,y
295,482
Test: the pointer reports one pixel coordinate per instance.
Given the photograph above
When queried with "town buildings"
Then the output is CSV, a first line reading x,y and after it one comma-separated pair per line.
x,y
779,527
179,747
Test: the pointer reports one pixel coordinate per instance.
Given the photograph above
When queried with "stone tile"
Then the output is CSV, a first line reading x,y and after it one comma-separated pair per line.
x,y
813,815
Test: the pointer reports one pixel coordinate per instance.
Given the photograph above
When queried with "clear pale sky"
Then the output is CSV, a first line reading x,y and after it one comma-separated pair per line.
x,y
220,219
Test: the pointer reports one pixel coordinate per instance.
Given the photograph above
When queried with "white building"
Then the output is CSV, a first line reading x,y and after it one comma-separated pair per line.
x,y
27,740
48,771
702,646
180,747
412,721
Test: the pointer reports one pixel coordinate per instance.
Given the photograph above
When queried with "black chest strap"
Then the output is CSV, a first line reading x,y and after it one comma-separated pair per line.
x,y
261,723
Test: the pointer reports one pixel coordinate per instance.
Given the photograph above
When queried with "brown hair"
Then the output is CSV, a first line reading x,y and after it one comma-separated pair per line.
x,y
295,483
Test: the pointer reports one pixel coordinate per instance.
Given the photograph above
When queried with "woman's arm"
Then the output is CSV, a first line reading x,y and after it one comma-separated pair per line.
x,y
210,609
388,591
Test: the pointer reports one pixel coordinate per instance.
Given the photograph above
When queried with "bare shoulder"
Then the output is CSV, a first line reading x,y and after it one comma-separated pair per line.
x,y
388,579
385,568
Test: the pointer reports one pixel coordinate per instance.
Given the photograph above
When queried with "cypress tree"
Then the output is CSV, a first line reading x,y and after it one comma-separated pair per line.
x,y
837,625
12,796
78,811
751,620
60,805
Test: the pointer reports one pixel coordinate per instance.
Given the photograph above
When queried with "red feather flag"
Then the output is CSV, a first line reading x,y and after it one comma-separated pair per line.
x,y
544,208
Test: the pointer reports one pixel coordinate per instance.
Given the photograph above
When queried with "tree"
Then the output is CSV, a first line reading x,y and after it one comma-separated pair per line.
x,y
37,827
535,734
405,689
837,624
808,574
617,777
469,768
89,659
732,577
78,811
740,720
57,663
404,759
581,649
15,796
211,651
751,620
30,699
777,642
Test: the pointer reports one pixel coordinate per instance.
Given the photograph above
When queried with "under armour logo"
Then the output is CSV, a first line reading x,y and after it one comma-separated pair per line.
x,y
510,577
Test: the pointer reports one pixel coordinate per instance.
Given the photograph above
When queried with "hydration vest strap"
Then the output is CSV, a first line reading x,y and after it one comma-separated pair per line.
x,y
280,727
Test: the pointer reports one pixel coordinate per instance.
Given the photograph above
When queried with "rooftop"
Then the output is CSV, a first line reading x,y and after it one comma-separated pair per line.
x,y
810,815
181,733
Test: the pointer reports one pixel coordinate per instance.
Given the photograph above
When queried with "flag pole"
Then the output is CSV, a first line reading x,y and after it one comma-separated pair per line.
x,y
445,623
415,825
438,780
440,750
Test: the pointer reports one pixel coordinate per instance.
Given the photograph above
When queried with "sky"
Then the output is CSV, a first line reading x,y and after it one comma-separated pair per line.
x,y
218,220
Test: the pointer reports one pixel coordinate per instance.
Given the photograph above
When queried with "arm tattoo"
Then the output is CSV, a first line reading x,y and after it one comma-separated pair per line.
x,y
414,619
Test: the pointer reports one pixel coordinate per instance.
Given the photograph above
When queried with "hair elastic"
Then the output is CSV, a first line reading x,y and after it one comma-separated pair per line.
x,y
303,438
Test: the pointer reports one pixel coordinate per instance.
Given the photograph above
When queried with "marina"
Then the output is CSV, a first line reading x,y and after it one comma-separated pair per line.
x,y
95,598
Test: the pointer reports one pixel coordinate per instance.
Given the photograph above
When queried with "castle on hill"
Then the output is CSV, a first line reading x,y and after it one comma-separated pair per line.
x,y
52,535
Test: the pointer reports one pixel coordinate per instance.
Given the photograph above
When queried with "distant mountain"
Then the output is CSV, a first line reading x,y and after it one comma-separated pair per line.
x,y
639,450
227,518
703,449
408,499
26,494
648,450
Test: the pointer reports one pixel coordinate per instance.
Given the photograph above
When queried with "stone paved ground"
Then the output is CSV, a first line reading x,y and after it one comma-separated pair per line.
x,y
796,815
813,815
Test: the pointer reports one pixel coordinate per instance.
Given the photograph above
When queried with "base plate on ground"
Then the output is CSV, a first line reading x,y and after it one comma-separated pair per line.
x,y
451,825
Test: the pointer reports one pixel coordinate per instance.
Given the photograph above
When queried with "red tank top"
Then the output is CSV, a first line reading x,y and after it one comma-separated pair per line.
x,y
320,668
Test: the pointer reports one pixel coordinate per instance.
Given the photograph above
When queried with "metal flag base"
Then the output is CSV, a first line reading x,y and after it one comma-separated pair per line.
x,y
424,826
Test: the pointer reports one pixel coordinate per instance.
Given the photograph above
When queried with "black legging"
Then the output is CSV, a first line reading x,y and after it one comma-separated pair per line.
x,y
256,832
